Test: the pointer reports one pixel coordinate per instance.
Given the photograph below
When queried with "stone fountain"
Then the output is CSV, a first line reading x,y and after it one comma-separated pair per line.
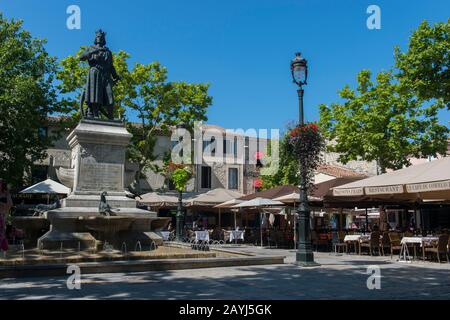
x,y
98,162
97,165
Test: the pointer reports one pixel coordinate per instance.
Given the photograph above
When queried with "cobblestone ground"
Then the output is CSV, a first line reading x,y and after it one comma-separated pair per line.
x,y
337,277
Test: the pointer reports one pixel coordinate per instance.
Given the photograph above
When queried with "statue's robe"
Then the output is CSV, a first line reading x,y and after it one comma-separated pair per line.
x,y
100,77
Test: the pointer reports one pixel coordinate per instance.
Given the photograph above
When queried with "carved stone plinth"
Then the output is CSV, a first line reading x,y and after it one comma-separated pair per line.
x,y
98,163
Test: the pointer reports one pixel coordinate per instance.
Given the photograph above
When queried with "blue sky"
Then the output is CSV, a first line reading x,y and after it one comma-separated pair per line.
x,y
241,47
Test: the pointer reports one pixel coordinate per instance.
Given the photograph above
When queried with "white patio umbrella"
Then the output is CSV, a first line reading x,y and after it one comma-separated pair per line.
x,y
48,187
229,204
259,203
167,199
214,197
294,198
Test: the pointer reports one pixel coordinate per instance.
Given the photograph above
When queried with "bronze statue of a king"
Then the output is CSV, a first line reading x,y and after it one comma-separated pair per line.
x,y
98,92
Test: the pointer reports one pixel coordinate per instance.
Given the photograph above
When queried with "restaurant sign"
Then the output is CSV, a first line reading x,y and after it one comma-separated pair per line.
x,y
348,192
429,186
384,189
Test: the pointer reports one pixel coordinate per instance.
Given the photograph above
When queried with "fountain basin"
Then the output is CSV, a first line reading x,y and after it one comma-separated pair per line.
x,y
34,227
85,227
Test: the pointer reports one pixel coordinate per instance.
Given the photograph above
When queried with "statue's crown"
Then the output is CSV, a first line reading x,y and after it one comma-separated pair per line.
x,y
100,32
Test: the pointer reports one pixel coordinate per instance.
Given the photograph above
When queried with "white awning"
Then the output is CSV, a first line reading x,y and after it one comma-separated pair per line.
x,y
48,186
259,203
430,180
214,197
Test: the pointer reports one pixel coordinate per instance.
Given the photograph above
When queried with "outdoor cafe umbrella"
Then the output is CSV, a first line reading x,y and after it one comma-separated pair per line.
x,y
259,203
156,199
423,182
48,187
214,197
229,204
294,198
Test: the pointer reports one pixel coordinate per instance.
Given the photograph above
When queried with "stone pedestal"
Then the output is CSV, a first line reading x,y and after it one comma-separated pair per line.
x,y
98,156
98,162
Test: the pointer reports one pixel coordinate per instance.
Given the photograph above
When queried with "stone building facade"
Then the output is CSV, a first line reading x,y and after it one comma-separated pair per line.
x,y
238,170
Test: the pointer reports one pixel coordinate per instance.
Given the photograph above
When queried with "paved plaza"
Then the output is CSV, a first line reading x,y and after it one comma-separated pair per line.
x,y
338,277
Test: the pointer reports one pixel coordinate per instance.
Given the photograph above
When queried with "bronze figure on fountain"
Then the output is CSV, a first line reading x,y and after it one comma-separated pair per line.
x,y
98,92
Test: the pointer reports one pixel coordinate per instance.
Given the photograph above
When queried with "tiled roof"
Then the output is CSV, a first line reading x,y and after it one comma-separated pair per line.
x,y
339,172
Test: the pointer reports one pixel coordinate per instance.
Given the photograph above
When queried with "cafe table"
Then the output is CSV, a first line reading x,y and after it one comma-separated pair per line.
x,y
202,235
236,235
354,239
164,234
422,241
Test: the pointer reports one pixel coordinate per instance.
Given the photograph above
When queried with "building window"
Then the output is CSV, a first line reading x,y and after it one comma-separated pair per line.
x,y
230,147
206,177
232,178
206,143
175,143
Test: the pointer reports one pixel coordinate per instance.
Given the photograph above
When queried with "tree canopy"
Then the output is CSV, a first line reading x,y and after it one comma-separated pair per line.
x,y
27,96
425,66
288,170
144,92
380,121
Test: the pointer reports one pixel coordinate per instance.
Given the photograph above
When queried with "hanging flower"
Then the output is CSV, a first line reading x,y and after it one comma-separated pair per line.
x,y
259,155
307,143
257,183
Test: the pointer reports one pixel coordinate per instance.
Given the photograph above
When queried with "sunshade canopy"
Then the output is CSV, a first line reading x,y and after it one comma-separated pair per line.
x,y
168,199
258,203
229,203
48,186
272,193
214,197
430,180
294,197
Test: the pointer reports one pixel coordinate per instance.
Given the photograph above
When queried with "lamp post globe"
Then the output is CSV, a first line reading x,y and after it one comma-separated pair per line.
x,y
299,69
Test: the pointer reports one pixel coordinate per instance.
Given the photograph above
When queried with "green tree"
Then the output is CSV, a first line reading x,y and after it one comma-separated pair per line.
x,y
288,167
380,121
144,92
72,79
27,96
425,67
160,105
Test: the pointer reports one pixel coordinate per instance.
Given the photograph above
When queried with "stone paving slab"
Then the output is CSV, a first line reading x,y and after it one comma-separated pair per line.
x,y
338,277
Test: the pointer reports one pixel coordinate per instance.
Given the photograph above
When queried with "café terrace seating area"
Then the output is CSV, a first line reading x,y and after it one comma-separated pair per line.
x,y
349,215
404,214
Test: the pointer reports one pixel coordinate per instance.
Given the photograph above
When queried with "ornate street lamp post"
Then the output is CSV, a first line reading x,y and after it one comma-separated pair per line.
x,y
180,215
304,256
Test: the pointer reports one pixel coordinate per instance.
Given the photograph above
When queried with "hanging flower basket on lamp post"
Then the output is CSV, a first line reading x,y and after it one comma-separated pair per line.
x,y
307,144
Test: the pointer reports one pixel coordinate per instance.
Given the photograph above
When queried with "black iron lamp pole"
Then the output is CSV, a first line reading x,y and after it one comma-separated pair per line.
x,y
304,255
180,217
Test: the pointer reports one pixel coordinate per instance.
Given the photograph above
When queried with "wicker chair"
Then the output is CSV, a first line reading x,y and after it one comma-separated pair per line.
x,y
340,243
395,243
317,241
373,243
439,248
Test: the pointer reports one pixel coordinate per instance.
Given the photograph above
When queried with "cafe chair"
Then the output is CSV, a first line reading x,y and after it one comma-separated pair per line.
x,y
372,243
394,242
439,248
340,243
